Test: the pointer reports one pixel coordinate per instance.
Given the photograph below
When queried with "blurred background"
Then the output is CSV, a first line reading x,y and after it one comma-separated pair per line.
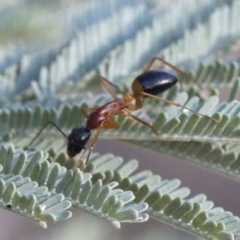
x,y
42,29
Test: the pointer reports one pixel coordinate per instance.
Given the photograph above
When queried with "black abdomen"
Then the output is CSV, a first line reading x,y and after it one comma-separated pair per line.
x,y
155,82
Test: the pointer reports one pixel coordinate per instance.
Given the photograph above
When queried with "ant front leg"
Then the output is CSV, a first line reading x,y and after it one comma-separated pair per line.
x,y
78,160
107,124
92,145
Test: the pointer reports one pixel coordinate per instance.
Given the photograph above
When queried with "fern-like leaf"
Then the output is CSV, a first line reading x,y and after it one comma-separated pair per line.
x,y
63,187
168,203
24,197
167,200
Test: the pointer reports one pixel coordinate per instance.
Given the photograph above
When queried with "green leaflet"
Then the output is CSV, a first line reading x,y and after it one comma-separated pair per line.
x,y
177,127
24,197
62,188
55,85
206,155
167,202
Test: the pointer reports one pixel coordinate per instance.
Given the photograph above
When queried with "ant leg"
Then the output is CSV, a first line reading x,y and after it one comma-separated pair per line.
x,y
128,114
132,107
178,105
54,124
106,84
92,145
77,161
180,71
105,80
127,97
149,65
85,110
108,124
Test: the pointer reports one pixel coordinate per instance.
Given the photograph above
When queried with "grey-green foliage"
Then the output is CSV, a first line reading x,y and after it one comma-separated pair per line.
x,y
42,191
22,195
110,189
78,55
193,45
172,124
167,201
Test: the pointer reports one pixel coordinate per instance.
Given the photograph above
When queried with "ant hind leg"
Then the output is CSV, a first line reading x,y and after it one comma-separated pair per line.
x,y
134,118
178,70
178,105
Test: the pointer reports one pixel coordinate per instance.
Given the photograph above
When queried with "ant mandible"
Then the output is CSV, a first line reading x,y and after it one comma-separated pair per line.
x,y
147,84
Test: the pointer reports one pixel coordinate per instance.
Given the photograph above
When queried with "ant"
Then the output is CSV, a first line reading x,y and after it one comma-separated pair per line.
x,y
147,84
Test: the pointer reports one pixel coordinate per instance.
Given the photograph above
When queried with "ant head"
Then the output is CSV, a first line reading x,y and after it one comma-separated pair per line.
x,y
77,140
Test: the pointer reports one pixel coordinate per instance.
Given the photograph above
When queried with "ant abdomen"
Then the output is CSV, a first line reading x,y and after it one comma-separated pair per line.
x,y
154,82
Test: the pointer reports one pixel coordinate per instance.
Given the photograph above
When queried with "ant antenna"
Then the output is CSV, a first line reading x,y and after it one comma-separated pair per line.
x,y
54,124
